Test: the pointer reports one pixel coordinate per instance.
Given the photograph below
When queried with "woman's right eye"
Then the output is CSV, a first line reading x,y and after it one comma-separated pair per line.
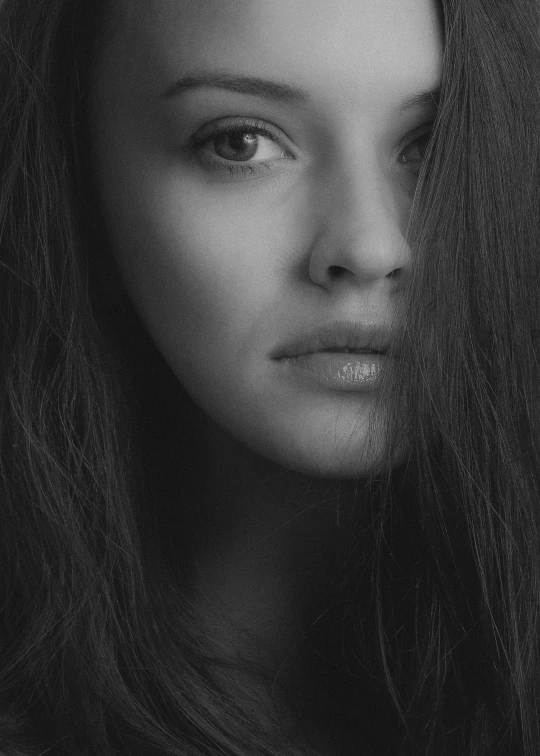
x,y
244,148
241,146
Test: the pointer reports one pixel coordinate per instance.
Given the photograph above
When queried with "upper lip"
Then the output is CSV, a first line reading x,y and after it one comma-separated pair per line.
x,y
343,335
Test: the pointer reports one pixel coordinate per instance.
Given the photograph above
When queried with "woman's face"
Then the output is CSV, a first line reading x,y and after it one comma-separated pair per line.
x,y
257,161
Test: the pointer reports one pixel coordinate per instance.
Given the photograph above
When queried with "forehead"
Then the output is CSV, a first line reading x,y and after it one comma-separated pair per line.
x,y
342,46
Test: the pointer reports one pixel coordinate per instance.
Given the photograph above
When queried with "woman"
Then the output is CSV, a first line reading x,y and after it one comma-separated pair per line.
x,y
269,377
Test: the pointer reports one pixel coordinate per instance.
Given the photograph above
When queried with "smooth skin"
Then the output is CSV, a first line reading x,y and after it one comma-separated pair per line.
x,y
226,262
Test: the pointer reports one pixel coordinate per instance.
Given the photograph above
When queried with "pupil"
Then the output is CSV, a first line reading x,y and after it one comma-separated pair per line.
x,y
236,145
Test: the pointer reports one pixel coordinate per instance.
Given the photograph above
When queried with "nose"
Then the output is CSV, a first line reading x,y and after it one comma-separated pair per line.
x,y
361,238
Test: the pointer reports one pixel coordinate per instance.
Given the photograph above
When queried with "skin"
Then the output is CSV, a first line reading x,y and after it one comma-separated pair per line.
x,y
223,267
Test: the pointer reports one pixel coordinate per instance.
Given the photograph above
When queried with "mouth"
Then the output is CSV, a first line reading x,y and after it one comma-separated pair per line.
x,y
344,337
343,356
349,350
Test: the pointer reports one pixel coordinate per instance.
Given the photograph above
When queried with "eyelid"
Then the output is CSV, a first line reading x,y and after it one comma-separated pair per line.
x,y
412,136
230,123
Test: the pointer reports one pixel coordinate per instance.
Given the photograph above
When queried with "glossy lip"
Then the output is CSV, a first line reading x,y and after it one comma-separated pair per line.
x,y
342,356
342,336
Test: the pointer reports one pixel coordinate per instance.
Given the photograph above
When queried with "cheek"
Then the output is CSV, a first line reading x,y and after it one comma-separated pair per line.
x,y
203,271
214,277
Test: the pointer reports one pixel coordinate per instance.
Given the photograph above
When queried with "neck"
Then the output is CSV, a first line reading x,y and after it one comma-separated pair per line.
x,y
271,543
271,547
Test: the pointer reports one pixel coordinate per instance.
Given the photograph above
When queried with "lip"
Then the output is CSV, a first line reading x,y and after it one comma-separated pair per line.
x,y
343,355
339,335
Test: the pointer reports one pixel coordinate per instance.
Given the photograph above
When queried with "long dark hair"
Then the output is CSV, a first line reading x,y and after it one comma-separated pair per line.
x,y
469,369
99,649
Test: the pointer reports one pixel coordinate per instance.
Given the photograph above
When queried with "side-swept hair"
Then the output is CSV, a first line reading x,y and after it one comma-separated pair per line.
x,y
99,652
465,671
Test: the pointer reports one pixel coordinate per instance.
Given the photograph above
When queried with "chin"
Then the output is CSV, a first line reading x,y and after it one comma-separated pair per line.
x,y
337,466
359,458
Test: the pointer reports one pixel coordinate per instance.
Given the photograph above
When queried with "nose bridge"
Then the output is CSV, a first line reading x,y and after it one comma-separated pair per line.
x,y
363,227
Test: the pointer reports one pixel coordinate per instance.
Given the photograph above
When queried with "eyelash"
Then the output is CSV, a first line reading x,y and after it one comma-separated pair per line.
x,y
237,169
423,134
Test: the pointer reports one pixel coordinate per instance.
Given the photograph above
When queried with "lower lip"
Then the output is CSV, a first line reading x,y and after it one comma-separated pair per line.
x,y
338,370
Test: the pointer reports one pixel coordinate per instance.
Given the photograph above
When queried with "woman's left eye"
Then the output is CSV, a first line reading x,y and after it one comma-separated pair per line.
x,y
413,154
243,149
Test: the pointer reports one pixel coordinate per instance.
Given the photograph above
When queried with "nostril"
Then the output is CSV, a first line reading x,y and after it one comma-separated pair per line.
x,y
336,271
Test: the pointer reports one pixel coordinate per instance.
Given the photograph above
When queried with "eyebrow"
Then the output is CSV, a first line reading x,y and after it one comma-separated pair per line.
x,y
422,101
249,85
273,90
